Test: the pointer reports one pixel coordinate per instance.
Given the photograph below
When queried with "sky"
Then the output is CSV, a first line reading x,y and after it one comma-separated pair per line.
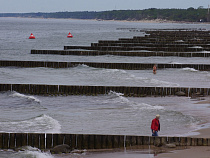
x,y
26,6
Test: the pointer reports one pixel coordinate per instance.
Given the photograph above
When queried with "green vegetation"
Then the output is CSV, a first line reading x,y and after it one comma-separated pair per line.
x,y
187,15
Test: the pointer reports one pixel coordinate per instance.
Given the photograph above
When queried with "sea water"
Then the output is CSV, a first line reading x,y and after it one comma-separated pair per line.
x,y
103,114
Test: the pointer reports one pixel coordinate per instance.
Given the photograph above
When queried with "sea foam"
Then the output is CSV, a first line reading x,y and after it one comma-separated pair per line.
x,y
118,97
189,69
32,98
39,124
35,153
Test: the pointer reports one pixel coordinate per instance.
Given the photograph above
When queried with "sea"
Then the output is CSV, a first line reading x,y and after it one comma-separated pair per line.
x,y
112,113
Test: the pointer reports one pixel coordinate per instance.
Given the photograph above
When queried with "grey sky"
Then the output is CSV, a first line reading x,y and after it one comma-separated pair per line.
x,y
22,6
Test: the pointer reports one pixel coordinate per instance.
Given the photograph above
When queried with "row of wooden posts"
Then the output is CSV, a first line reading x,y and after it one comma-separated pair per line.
x,y
86,141
38,89
140,48
126,66
121,53
153,43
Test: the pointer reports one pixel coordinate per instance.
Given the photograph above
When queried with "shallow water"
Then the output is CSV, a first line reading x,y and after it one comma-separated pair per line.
x,y
85,75
36,153
103,114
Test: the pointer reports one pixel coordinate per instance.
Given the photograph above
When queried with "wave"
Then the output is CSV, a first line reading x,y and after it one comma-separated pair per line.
x,y
189,69
29,151
144,106
174,63
159,83
32,98
150,82
154,82
115,70
118,97
196,47
82,66
125,77
39,124
205,51
103,69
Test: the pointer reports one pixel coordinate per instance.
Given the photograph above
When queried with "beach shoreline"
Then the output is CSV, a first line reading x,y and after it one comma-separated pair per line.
x,y
192,151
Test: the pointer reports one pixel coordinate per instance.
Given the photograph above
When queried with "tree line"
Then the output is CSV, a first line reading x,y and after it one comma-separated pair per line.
x,y
186,15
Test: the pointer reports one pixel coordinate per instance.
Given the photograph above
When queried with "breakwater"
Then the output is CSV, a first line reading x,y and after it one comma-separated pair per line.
x,y
121,53
85,141
167,41
181,43
126,66
38,89
140,48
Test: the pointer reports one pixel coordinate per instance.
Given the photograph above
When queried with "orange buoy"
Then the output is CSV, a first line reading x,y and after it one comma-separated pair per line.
x,y
69,35
31,36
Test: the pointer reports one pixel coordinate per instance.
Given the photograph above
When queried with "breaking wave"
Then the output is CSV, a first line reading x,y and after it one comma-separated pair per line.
x,y
189,69
32,98
83,66
39,124
119,98
29,151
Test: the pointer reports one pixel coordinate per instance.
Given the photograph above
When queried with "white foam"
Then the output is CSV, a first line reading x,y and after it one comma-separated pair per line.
x,y
152,82
115,71
159,83
35,153
196,47
189,69
179,41
118,97
16,94
206,51
40,124
83,66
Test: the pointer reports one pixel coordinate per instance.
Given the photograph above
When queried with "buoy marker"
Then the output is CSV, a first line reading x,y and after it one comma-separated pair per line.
x,y
31,36
69,35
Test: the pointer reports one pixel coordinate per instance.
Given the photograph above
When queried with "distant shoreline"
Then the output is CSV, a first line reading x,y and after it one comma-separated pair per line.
x,y
134,21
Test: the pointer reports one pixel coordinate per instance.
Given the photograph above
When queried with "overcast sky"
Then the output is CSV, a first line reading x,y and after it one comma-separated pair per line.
x,y
23,6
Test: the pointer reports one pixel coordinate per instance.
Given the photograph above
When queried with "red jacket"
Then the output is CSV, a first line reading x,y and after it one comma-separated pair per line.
x,y
155,125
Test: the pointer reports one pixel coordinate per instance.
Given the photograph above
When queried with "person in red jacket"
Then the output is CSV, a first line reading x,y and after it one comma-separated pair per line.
x,y
155,125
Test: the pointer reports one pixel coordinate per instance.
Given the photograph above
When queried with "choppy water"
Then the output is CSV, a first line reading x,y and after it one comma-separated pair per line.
x,y
85,75
104,114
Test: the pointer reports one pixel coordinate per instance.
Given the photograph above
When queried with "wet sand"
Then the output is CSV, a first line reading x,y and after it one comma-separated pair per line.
x,y
192,152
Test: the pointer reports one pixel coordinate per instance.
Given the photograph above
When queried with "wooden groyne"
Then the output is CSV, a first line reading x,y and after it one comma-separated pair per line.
x,y
154,43
122,53
85,141
126,66
39,89
140,48
166,41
